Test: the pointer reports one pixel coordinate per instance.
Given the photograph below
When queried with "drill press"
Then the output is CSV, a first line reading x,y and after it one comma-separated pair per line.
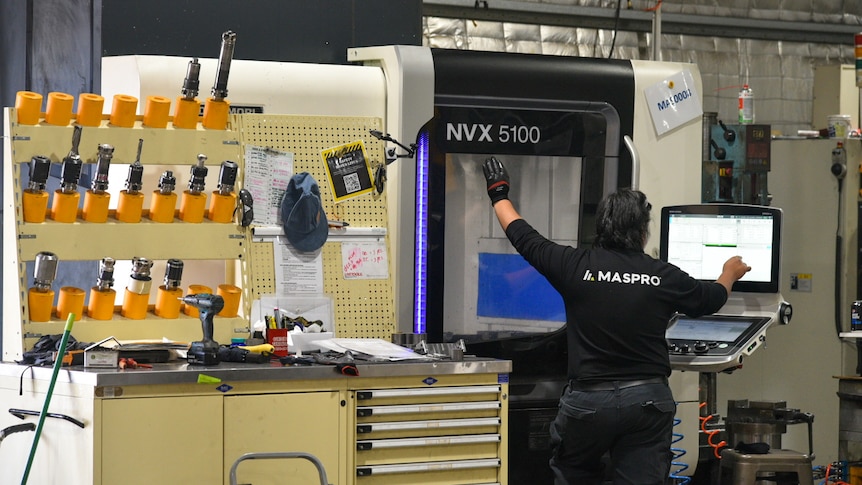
x,y
205,352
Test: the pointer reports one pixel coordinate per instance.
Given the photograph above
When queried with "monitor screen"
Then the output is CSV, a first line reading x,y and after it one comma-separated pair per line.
x,y
699,238
707,329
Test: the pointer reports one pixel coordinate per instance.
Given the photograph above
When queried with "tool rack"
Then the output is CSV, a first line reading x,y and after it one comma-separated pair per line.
x,y
84,241
363,308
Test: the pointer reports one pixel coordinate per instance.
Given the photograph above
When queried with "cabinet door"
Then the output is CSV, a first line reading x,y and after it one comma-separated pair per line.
x,y
162,440
307,422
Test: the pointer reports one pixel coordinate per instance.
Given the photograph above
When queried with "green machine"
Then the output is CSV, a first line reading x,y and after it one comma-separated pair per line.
x,y
736,162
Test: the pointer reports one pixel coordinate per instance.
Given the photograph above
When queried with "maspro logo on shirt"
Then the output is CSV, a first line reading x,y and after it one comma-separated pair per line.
x,y
624,278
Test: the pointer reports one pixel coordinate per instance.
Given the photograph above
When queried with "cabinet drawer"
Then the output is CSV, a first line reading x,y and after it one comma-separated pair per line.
x,y
431,394
437,448
450,471
426,428
408,409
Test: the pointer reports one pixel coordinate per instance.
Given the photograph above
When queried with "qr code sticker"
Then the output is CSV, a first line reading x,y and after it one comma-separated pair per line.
x,y
351,183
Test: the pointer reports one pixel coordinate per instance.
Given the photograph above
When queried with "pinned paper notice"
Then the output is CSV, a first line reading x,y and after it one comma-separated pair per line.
x,y
673,102
267,172
365,260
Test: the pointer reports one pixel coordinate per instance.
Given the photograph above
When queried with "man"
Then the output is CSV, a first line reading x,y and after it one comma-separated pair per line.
x,y
617,399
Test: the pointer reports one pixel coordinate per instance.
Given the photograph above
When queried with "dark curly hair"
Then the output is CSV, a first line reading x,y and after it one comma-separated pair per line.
x,y
622,220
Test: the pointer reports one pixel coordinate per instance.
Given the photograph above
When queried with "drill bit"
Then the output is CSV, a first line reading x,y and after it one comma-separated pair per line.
x,y
134,181
228,42
71,170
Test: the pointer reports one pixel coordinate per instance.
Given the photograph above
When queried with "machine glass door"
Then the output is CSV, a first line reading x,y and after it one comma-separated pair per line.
x,y
561,163
489,289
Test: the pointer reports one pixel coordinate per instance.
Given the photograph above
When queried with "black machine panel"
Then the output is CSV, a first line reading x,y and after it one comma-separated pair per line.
x,y
556,115
520,104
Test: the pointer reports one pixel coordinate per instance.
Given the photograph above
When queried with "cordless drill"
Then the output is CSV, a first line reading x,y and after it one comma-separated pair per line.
x,y
205,352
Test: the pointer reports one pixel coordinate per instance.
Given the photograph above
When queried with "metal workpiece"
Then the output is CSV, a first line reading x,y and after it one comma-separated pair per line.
x,y
191,84
40,167
197,182
173,274
103,165
227,177
105,280
140,281
228,42
167,182
181,372
45,270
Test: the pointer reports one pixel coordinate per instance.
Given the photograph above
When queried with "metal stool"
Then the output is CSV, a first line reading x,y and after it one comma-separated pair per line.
x,y
744,468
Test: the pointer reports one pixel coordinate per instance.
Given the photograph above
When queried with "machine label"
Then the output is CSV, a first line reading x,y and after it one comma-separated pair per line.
x,y
492,133
673,101
238,109
523,131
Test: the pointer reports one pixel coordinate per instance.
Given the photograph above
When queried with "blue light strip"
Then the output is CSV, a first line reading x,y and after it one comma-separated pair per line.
x,y
421,235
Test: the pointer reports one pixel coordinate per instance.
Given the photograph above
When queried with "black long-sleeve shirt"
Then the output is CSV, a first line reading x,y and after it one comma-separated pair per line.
x,y
618,304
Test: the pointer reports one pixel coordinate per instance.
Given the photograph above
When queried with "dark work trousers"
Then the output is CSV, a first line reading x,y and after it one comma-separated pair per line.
x,y
634,424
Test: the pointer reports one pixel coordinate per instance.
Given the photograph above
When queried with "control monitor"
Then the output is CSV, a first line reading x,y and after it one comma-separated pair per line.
x,y
698,239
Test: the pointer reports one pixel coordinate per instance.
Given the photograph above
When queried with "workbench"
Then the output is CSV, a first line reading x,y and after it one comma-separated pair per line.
x,y
407,422
430,422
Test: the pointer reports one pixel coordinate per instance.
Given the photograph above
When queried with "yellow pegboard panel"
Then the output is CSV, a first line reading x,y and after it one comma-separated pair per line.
x,y
363,308
262,274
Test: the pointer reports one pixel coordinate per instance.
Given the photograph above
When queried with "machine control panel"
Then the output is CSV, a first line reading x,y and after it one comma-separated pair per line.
x,y
714,343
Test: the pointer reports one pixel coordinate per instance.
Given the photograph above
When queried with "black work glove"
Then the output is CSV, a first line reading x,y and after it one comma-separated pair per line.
x,y
497,180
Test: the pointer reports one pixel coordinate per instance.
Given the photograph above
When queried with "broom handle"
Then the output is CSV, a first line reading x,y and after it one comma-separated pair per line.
x,y
58,362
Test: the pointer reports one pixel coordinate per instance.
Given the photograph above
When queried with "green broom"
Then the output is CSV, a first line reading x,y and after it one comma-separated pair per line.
x,y
58,362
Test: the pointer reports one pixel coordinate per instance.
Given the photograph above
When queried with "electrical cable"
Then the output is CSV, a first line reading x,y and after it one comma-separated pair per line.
x,y
616,28
827,480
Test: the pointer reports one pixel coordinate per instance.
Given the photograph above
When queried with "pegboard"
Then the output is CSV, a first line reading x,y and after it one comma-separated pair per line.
x,y
363,307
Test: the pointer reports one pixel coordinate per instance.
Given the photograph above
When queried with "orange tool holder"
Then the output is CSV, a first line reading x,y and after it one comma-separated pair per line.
x,y
64,207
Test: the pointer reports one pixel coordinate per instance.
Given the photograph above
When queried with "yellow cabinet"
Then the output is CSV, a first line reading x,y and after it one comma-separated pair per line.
x,y
440,423
309,422
162,440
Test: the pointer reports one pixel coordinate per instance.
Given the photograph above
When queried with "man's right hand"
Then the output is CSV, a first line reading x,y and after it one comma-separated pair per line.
x,y
733,269
496,179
